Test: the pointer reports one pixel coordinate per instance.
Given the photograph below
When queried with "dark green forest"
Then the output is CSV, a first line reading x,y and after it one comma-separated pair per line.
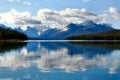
x,y
109,35
8,34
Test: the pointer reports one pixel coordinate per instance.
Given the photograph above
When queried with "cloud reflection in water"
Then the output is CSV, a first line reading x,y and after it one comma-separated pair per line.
x,y
47,60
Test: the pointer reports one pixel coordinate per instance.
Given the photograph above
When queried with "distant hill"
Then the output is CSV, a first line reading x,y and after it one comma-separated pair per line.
x,y
49,34
9,34
87,27
31,32
108,35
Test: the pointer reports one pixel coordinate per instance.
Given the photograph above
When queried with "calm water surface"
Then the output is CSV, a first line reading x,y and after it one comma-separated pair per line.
x,y
59,61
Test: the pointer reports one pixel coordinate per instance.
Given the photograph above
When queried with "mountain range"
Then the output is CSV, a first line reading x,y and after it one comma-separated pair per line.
x,y
31,32
86,27
6,33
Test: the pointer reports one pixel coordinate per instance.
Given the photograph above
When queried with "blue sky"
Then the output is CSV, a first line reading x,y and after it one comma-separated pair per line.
x,y
34,5
93,6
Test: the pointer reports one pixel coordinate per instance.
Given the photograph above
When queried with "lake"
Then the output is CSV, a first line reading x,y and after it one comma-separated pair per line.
x,y
52,60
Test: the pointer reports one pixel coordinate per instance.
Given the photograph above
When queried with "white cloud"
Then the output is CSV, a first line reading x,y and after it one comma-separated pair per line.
x,y
113,10
114,13
15,1
11,0
27,3
48,60
60,19
46,0
85,1
18,1
15,18
1,8
48,18
6,78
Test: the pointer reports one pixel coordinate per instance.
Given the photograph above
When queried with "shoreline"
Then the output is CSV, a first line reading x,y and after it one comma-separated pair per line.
x,y
59,41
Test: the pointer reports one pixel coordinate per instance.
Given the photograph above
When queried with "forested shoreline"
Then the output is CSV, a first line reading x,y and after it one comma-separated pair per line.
x,y
109,35
8,34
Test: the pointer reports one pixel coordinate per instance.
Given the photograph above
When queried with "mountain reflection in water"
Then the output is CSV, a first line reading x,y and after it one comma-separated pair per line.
x,y
43,58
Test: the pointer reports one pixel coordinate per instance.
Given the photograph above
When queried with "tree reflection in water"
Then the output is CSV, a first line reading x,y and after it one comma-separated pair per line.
x,y
57,57
8,46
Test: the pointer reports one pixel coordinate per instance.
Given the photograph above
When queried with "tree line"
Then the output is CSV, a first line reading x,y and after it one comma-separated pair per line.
x,y
109,35
8,34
